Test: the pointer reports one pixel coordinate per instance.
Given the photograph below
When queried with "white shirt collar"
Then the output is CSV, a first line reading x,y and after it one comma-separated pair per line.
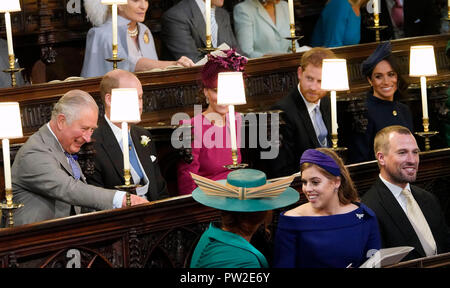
x,y
397,192
51,131
116,131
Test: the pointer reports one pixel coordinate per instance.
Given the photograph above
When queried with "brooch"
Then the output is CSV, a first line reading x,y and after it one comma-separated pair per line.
x,y
394,113
360,216
146,37
145,140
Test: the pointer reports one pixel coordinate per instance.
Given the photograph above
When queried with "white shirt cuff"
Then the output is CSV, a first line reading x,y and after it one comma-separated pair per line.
x,y
118,199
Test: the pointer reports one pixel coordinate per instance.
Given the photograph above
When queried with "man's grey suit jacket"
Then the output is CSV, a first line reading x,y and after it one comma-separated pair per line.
x,y
43,181
184,31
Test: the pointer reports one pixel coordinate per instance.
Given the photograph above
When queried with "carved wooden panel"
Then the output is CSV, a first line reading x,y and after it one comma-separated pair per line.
x,y
164,233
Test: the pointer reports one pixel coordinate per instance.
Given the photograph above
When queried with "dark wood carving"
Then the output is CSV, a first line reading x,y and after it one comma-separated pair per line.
x,y
268,79
163,234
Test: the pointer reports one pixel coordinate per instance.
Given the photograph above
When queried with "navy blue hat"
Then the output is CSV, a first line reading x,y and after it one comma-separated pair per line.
x,y
321,159
382,51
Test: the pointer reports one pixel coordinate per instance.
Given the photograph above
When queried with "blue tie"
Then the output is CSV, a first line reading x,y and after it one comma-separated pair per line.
x,y
75,170
321,129
133,159
214,28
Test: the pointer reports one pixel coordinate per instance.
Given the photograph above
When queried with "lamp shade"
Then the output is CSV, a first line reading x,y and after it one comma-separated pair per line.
x,y
10,122
9,6
125,105
334,75
118,2
230,88
422,61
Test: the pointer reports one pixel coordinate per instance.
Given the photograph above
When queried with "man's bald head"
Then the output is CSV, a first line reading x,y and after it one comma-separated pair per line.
x,y
118,79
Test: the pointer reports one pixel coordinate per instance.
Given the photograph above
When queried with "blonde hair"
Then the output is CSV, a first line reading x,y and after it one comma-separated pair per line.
x,y
381,142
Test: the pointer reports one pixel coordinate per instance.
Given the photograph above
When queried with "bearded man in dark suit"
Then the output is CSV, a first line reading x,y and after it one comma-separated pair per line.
x,y
302,122
390,198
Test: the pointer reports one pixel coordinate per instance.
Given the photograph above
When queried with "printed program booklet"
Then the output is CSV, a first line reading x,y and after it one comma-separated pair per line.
x,y
387,256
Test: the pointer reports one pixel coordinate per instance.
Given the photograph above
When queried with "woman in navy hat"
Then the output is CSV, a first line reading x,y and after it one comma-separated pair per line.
x,y
332,229
383,107
226,244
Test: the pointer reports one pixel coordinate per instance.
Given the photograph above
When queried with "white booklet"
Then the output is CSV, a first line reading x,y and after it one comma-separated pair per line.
x,y
387,256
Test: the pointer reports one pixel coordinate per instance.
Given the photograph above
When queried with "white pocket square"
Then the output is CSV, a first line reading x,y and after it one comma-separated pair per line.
x,y
153,158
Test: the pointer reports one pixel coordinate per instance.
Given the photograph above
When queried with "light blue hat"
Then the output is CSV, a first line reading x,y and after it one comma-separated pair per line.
x,y
247,190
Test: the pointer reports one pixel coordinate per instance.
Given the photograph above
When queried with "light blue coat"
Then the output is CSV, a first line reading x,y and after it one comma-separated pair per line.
x,y
255,31
99,48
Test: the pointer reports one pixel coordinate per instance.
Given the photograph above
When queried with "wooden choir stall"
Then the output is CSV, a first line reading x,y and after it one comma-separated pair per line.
x,y
164,233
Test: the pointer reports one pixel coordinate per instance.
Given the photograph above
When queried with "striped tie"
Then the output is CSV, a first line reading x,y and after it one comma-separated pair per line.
x,y
419,223
214,27
133,158
319,126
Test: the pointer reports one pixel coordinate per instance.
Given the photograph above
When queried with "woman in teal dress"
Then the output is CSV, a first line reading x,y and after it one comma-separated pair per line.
x,y
339,24
331,230
227,244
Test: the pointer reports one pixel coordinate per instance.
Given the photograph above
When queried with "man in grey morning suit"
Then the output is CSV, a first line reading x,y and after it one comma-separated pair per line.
x,y
45,176
184,29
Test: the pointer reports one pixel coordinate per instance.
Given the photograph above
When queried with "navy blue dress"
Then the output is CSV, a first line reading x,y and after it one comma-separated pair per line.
x,y
326,241
380,114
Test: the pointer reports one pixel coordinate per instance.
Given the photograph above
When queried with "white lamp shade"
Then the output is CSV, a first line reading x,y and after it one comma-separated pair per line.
x,y
9,6
334,75
422,61
118,2
125,105
230,88
10,122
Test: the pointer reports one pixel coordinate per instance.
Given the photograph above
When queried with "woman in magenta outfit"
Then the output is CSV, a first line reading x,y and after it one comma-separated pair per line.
x,y
331,230
211,148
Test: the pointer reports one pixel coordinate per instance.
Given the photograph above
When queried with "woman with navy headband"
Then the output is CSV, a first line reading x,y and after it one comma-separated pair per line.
x,y
333,229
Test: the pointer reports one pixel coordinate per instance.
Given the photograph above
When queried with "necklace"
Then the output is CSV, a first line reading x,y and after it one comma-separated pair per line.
x,y
133,33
